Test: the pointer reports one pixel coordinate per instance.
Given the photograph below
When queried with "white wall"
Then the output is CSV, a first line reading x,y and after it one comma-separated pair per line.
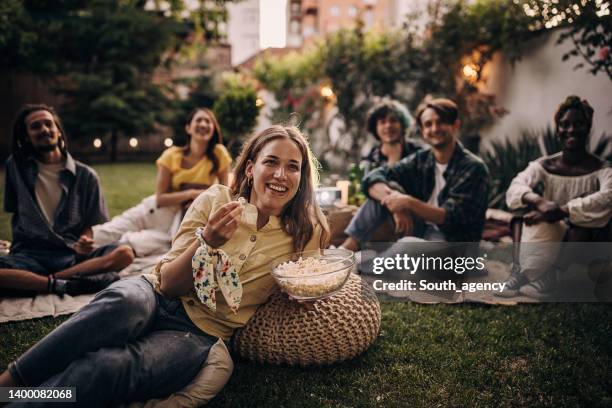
x,y
538,83
243,29
401,8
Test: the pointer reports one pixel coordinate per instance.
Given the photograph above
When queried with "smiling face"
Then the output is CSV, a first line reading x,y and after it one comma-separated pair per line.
x,y
573,130
437,132
43,132
276,175
201,127
389,129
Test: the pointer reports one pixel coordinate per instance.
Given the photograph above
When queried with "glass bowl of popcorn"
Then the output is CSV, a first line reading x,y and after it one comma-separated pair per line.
x,y
312,275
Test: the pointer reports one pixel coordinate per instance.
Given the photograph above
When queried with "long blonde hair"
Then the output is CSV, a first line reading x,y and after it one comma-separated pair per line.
x,y
300,215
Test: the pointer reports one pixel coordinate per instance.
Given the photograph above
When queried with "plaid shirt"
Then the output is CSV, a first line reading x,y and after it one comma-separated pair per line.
x,y
375,158
464,197
81,206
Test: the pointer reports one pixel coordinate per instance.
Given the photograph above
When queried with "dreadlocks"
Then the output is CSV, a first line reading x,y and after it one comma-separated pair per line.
x,y
20,143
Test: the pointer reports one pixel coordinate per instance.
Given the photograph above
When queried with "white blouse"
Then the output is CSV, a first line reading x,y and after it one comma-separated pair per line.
x,y
588,197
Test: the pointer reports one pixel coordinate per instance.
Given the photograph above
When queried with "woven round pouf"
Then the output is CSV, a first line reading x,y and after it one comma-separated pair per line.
x,y
340,327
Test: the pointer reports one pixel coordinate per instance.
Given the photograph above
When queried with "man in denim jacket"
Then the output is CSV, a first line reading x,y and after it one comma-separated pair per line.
x,y
55,201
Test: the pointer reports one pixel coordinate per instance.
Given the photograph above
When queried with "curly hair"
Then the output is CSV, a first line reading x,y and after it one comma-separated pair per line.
x,y
388,107
574,102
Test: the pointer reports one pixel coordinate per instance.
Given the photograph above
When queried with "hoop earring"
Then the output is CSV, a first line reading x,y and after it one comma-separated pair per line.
x,y
249,182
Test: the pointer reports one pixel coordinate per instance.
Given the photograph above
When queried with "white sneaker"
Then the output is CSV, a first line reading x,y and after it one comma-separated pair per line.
x,y
514,282
542,287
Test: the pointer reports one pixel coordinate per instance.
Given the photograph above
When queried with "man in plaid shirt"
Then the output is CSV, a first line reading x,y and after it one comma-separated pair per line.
x,y
437,194
55,200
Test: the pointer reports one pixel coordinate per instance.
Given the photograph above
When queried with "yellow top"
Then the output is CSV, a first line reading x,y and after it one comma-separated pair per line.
x,y
172,157
251,251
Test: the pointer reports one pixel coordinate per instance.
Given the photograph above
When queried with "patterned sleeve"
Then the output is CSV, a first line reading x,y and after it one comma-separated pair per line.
x,y
400,172
167,158
467,202
225,159
594,210
523,183
369,162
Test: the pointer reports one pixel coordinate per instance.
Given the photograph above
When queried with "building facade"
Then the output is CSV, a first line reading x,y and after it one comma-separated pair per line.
x,y
243,29
308,20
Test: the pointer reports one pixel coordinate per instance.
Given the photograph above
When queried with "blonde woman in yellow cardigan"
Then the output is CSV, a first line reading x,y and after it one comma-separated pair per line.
x,y
137,340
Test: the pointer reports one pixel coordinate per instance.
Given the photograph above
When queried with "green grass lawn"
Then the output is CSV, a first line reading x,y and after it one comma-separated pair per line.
x,y
426,355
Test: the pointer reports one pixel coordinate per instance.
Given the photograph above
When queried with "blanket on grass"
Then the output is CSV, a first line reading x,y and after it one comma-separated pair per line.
x,y
572,283
17,309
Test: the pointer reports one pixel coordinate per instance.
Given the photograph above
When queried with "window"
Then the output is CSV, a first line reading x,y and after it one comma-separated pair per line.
x,y
294,27
352,11
368,18
334,11
308,31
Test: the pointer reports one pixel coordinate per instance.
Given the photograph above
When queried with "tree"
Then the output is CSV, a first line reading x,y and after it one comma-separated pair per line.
x,y
201,94
406,65
460,34
361,66
101,55
294,81
236,110
110,89
587,24
357,66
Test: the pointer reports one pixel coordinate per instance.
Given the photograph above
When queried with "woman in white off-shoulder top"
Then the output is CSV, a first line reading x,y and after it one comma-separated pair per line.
x,y
568,196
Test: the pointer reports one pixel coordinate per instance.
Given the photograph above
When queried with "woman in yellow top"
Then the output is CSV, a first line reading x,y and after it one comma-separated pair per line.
x,y
133,342
184,172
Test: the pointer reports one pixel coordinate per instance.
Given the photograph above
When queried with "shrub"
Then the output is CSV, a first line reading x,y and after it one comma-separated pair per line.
x,y
236,111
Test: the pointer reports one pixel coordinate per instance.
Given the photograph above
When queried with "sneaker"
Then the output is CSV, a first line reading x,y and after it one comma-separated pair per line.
x,y
514,282
542,287
90,283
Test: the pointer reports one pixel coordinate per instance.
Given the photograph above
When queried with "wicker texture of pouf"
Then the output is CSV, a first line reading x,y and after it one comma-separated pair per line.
x,y
339,328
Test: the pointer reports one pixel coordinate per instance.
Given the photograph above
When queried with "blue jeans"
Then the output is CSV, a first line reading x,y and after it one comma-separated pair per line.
x,y
45,262
128,344
372,215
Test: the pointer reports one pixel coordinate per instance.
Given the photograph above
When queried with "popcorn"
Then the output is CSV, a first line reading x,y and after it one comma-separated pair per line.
x,y
242,202
310,277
